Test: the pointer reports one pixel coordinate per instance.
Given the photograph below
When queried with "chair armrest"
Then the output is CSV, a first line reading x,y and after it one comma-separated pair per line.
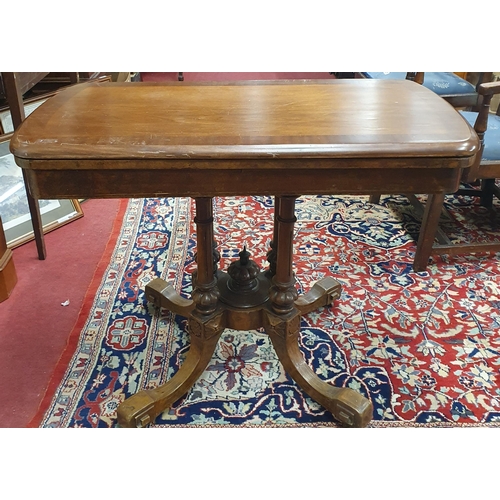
x,y
490,88
487,90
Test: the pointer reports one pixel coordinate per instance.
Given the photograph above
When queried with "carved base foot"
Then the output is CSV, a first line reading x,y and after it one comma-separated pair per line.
x,y
137,410
161,294
346,405
142,408
350,408
323,293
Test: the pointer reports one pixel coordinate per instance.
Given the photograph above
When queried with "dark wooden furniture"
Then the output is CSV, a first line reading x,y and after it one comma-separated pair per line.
x,y
12,88
16,90
8,276
283,139
37,84
15,86
485,169
25,82
487,164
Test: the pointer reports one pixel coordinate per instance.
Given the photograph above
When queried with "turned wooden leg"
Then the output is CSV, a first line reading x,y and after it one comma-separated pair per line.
x,y
142,408
205,292
162,294
346,405
205,327
428,229
325,291
283,293
272,254
282,324
36,221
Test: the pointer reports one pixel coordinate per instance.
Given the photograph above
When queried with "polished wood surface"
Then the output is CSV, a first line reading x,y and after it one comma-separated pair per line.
x,y
252,120
172,133
284,139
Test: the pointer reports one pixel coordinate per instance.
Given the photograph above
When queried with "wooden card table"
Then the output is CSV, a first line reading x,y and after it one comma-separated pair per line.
x,y
282,139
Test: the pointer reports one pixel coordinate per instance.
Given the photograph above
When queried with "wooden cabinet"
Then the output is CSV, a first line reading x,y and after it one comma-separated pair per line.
x,y
8,276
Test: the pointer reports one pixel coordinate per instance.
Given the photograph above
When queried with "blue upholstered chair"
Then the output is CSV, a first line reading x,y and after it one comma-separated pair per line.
x,y
485,169
487,165
483,172
447,85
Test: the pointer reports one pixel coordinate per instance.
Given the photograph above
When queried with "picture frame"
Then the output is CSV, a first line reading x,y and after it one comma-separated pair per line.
x,y
14,210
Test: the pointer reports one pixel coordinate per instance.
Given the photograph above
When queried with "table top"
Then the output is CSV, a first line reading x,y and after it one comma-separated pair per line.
x,y
252,120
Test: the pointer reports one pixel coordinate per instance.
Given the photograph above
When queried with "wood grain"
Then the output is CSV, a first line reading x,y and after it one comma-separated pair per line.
x,y
328,119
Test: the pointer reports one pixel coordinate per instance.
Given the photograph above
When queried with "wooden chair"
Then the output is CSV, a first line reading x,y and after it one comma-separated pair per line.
x,y
485,169
15,85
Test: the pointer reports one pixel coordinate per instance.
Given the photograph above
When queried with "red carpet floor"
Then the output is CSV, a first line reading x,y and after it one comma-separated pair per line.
x,y
34,326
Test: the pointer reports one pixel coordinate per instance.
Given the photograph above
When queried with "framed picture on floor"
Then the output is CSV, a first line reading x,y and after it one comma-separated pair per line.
x,y
14,208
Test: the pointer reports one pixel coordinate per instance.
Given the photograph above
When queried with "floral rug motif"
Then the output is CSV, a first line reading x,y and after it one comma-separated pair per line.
x,y
424,347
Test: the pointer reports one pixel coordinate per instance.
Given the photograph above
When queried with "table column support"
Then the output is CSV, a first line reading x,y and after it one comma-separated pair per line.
x,y
283,325
271,255
205,327
205,292
280,316
283,293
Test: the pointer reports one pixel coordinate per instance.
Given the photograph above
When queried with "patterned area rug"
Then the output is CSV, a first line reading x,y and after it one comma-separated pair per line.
x,y
424,347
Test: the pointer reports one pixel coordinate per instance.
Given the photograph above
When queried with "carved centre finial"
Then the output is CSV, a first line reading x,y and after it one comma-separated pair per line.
x,y
243,272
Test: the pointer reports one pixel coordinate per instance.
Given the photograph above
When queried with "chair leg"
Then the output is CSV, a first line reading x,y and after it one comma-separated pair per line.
x,y
487,192
375,199
432,214
419,207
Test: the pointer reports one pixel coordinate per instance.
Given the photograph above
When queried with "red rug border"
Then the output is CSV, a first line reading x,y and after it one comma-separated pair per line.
x,y
88,300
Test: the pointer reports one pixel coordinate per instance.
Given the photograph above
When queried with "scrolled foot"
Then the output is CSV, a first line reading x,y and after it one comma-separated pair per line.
x,y
137,411
351,408
323,293
161,294
346,405
142,408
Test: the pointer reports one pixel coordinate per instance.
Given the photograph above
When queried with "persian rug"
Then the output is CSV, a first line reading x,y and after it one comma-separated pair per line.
x,y
424,347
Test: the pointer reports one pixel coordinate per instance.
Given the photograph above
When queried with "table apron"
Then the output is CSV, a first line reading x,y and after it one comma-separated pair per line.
x,y
145,183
